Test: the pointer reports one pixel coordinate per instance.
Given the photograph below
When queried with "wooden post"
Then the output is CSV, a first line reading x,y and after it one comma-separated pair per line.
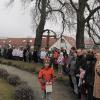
x,y
48,36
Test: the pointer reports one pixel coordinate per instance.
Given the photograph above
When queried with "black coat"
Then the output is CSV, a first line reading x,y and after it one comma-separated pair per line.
x,y
35,56
80,63
90,69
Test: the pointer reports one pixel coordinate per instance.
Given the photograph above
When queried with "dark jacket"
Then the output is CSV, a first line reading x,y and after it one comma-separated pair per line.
x,y
90,69
80,63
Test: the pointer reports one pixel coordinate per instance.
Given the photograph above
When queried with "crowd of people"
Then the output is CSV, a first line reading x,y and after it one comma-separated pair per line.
x,y
80,65
18,53
82,72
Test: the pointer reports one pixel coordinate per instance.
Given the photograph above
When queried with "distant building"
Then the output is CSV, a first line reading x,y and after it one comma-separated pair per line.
x,y
22,42
66,42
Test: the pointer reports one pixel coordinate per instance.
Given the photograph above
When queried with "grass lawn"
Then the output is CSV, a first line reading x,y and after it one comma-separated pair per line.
x,y
6,91
31,67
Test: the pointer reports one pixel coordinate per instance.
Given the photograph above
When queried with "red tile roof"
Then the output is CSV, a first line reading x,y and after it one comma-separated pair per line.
x,y
89,42
71,41
23,41
51,42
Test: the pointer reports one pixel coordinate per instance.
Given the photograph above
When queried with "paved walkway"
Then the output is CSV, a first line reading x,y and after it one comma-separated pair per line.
x,y
61,91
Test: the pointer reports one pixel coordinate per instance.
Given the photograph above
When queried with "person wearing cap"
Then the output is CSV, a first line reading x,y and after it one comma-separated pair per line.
x,y
46,74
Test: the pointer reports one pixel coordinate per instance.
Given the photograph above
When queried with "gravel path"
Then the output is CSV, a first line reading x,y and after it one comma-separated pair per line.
x,y
61,91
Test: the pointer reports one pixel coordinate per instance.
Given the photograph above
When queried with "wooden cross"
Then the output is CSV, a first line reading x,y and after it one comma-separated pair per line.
x,y
48,36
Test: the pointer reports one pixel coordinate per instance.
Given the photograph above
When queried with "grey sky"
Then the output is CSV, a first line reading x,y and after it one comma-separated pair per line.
x,y
14,22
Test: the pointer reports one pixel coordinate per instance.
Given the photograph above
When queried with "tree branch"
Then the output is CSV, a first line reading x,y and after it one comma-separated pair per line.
x,y
88,7
92,13
90,34
63,17
73,5
39,3
90,29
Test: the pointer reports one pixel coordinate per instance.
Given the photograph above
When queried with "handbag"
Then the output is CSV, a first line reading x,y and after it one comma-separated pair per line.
x,y
48,87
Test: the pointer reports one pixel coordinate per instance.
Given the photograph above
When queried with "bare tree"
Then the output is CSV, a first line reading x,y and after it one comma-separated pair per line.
x,y
87,13
44,10
83,21
86,17
47,8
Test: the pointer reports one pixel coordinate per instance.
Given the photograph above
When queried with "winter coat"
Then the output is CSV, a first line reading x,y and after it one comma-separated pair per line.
x,y
90,69
72,66
96,93
80,63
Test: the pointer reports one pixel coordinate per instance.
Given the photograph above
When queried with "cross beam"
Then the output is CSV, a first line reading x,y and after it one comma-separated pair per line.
x,y
48,38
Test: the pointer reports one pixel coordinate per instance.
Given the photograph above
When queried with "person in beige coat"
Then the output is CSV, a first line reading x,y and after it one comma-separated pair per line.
x,y
96,93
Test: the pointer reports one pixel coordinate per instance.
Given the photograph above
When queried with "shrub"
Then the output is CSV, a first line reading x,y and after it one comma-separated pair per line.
x,y
13,64
24,82
9,63
31,67
4,62
14,80
24,92
0,61
3,73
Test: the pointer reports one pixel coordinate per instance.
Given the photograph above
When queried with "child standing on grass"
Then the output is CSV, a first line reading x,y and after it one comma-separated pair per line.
x,y
46,75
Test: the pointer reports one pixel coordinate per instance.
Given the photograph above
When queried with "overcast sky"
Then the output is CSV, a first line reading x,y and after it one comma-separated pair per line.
x,y
15,22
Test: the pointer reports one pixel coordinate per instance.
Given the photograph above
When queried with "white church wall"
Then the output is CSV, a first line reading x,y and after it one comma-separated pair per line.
x,y
65,44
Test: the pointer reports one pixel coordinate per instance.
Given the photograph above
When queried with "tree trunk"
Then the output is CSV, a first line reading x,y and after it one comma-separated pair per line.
x,y
80,34
40,28
80,25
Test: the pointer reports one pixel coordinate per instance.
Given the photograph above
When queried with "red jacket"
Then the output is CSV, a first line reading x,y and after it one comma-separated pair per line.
x,y
46,75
